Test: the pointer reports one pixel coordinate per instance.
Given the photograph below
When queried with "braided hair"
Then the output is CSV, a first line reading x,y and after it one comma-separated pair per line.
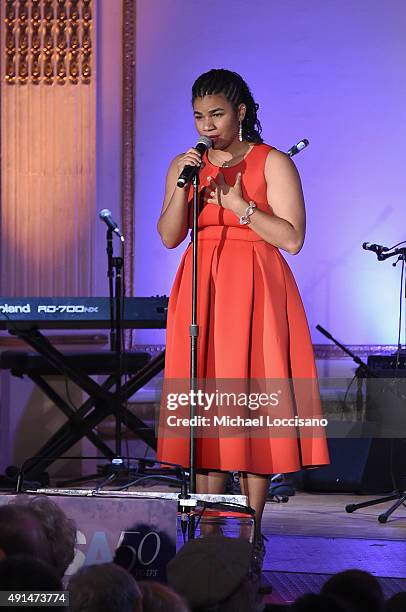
x,y
236,90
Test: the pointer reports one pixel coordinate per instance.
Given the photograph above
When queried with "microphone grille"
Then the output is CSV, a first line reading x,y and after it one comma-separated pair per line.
x,y
302,144
103,214
204,140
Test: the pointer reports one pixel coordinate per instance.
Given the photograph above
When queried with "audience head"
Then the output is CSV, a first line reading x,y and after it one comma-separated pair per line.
x,y
25,573
21,533
157,597
318,603
397,603
356,588
127,557
104,588
59,529
214,571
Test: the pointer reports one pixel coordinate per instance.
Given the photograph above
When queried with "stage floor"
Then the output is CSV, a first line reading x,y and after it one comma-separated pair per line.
x,y
312,537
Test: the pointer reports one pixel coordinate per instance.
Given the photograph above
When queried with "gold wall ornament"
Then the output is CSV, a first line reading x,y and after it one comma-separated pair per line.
x,y
74,68
61,41
36,10
11,46
74,11
74,46
10,69
48,10
86,41
61,11
74,42
60,70
22,43
48,41
23,11
48,44
86,38
86,52
10,10
36,42
87,10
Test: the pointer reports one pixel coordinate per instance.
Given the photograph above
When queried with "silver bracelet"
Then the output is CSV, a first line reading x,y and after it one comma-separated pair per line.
x,y
245,218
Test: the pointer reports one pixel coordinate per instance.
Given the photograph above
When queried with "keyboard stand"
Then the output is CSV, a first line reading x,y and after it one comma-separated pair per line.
x,y
99,405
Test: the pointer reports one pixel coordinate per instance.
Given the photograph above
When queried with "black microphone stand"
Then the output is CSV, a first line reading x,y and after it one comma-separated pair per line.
x,y
110,276
194,334
194,327
115,276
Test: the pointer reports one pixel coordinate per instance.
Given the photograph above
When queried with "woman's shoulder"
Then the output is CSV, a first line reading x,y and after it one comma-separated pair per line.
x,y
271,155
262,147
279,163
266,149
262,152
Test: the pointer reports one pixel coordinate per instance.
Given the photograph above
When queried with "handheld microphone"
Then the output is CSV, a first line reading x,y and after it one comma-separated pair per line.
x,y
302,144
188,172
105,215
375,248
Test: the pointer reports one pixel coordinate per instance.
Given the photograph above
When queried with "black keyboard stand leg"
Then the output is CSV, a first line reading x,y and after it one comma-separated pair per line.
x,y
69,412
88,416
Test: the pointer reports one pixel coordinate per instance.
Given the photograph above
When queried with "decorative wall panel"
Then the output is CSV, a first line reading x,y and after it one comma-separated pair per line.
x,y
47,147
48,40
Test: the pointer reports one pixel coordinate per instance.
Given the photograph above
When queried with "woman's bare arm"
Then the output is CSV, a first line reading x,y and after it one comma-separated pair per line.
x,y
173,220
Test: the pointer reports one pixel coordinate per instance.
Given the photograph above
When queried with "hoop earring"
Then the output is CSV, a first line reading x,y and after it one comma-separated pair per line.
x,y
240,131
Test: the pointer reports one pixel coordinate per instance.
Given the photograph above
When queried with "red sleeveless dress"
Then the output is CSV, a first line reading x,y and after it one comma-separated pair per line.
x,y
251,325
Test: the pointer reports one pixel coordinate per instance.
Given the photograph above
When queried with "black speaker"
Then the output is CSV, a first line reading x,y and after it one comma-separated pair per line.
x,y
358,465
386,396
373,464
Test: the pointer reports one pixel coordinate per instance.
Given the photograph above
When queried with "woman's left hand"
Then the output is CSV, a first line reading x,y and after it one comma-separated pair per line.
x,y
221,194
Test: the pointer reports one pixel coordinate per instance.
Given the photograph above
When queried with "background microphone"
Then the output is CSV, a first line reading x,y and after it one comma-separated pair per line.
x,y
302,144
376,248
188,172
105,215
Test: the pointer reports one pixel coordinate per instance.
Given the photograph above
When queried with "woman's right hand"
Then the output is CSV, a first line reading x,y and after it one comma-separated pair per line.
x,y
173,221
192,157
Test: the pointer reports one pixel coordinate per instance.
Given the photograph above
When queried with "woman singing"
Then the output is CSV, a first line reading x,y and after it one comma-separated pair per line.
x,y
251,320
